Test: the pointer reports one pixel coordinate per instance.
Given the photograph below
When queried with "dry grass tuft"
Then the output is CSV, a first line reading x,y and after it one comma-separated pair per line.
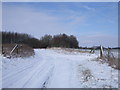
x,y
87,75
112,61
70,50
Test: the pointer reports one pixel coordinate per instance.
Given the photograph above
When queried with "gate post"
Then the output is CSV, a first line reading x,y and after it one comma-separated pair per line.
x,y
108,52
101,51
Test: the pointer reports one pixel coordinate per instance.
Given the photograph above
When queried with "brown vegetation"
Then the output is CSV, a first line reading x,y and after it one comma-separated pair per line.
x,y
22,50
112,61
87,75
70,50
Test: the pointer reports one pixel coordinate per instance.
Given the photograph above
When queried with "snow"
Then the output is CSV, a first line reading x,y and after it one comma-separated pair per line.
x,y
57,68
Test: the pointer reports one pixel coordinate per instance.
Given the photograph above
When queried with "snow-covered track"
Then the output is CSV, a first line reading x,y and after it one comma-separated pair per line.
x,y
58,69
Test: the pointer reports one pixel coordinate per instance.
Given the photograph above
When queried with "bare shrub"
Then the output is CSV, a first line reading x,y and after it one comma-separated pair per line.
x,y
22,51
112,61
87,75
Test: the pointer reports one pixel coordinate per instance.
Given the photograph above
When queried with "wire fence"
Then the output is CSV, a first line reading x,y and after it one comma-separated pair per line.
x,y
111,56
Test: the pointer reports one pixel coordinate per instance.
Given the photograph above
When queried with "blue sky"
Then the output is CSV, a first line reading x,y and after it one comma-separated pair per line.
x,y
93,23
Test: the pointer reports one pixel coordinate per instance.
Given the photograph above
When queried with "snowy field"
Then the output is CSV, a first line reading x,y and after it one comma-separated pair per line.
x,y
52,68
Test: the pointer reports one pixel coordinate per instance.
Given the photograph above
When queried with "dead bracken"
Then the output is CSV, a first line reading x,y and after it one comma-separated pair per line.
x,y
21,51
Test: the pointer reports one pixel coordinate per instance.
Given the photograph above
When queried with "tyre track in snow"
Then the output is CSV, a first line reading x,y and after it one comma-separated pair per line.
x,y
30,79
30,75
17,75
13,75
61,75
54,70
39,78
20,70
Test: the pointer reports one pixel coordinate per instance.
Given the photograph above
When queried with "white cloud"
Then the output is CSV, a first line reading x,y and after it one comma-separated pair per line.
x,y
89,8
75,20
26,20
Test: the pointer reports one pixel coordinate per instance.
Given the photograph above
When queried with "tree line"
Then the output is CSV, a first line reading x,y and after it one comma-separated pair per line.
x,y
60,40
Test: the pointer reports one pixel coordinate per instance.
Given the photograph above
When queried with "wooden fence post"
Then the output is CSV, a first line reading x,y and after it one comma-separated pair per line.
x,y
14,49
101,51
108,52
17,49
92,50
2,50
